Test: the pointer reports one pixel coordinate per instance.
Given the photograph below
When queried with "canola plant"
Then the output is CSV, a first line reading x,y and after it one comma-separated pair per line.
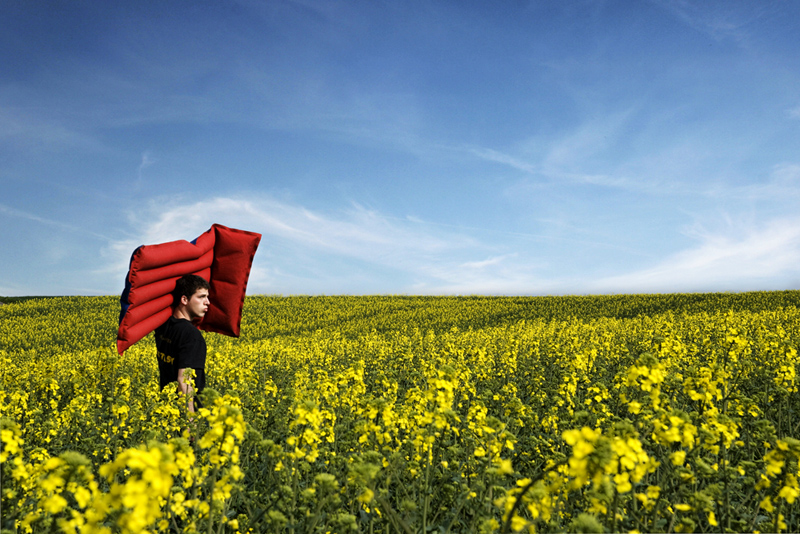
x,y
631,413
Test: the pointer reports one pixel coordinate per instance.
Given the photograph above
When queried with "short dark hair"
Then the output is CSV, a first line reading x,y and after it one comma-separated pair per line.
x,y
186,286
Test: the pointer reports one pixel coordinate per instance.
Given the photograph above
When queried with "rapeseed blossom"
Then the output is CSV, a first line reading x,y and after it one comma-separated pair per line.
x,y
408,414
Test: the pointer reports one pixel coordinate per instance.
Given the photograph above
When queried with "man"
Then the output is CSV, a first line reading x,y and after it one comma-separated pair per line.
x,y
180,344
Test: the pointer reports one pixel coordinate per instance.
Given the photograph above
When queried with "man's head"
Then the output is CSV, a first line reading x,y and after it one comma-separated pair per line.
x,y
190,297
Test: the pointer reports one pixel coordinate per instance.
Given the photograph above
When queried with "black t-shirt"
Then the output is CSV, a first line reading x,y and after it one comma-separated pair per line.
x,y
180,345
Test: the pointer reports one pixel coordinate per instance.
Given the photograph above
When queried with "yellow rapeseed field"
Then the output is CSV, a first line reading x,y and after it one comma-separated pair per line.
x,y
637,413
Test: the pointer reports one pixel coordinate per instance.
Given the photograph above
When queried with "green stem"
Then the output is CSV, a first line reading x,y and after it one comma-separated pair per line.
x,y
393,516
210,501
614,511
671,522
455,514
317,513
221,523
427,492
758,499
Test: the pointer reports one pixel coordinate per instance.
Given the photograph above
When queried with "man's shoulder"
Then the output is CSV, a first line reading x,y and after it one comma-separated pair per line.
x,y
182,326
175,322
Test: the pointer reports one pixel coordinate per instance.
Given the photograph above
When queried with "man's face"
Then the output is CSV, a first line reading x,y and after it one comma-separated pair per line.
x,y
197,306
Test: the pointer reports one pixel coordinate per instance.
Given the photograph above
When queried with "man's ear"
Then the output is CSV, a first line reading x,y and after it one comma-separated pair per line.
x,y
184,300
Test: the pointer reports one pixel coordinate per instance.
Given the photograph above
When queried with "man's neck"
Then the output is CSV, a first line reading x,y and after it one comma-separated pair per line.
x,y
181,313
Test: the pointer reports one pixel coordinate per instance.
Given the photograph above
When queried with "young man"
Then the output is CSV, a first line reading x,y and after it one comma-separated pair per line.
x,y
179,343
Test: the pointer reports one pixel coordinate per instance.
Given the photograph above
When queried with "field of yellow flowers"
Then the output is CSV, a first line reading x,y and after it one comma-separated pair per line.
x,y
648,413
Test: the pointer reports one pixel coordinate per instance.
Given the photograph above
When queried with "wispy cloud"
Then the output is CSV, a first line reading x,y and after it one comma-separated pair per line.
x,y
354,238
356,249
12,212
733,261
722,20
28,131
497,156
508,274
311,101
548,170
356,231
147,161
683,167
585,142
585,154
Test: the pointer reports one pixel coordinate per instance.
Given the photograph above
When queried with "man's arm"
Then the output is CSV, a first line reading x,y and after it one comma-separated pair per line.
x,y
185,387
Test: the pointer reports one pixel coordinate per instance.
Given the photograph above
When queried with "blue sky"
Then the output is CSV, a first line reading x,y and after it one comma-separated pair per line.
x,y
417,147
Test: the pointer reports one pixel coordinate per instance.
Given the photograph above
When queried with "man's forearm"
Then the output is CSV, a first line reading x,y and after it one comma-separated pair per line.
x,y
186,388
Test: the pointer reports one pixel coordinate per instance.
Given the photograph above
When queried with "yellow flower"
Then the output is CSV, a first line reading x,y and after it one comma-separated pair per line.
x,y
766,504
366,496
504,467
712,519
790,491
54,504
518,523
623,482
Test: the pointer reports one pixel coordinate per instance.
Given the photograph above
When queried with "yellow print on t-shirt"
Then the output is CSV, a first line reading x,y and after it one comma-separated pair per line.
x,y
165,358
